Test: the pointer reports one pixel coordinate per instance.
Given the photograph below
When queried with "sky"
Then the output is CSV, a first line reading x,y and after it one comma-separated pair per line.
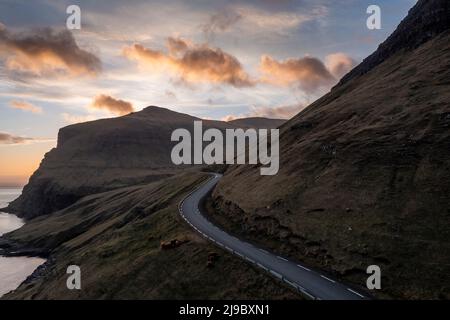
x,y
212,59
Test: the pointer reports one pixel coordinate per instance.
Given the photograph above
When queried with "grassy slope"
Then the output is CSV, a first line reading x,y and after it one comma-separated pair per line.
x,y
115,238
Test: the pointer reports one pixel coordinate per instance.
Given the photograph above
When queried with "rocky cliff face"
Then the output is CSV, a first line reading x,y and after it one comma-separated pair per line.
x,y
102,155
362,170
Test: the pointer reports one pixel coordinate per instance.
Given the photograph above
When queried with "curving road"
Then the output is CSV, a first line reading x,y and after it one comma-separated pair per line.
x,y
309,282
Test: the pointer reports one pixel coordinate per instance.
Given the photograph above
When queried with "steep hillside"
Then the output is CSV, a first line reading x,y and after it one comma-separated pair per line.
x,y
102,155
363,170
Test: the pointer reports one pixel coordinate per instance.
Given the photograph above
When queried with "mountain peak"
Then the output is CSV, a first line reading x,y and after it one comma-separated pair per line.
x,y
153,108
426,20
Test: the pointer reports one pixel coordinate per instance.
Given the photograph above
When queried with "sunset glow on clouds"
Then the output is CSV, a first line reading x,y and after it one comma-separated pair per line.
x,y
213,59
113,105
46,52
192,63
197,63
25,106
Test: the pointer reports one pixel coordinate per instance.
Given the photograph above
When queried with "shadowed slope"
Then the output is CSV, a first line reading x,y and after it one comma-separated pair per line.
x,y
362,175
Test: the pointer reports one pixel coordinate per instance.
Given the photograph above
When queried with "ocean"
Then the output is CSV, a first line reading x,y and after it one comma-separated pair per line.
x,y
13,270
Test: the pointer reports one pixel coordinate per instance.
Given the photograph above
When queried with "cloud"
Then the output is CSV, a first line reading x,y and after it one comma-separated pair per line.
x,y
170,94
192,63
282,20
26,106
6,138
177,46
280,112
46,52
111,104
339,64
72,118
220,21
308,73
253,18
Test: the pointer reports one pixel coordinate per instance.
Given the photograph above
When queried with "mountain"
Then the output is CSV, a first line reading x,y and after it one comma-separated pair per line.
x,y
257,122
106,154
364,170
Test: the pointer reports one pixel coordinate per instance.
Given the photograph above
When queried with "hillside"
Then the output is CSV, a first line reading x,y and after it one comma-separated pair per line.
x,y
115,237
257,122
363,170
106,154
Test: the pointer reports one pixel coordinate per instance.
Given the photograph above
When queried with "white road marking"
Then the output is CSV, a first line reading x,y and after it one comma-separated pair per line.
x,y
249,260
276,274
281,258
358,294
331,280
293,284
305,268
307,294
263,250
261,266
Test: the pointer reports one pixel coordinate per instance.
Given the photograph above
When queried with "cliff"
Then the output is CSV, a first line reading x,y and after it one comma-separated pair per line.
x,y
106,154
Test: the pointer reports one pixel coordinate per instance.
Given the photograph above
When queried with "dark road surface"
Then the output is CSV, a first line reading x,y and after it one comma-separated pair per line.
x,y
310,283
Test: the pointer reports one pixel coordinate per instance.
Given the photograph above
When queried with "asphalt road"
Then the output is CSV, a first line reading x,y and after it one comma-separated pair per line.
x,y
310,283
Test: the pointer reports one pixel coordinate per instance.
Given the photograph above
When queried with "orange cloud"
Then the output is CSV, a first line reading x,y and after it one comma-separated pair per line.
x,y
46,52
309,73
339,64
177,46
192,63
113,105
26,106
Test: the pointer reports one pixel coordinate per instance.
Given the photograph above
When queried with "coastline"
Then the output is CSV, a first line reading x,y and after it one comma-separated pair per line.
x,y
18,261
